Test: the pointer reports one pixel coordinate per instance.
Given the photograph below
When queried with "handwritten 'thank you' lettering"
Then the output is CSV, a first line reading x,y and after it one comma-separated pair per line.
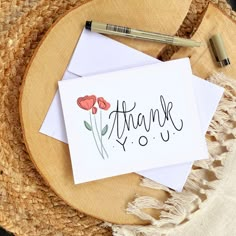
x,y
154,125
123,120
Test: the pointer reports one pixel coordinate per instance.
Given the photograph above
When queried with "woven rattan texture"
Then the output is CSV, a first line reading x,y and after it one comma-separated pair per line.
x,y
27,205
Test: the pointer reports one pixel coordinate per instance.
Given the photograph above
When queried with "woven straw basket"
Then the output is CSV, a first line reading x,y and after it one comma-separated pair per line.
x,y
27,204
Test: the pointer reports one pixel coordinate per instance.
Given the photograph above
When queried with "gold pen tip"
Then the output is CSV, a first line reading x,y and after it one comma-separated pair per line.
x,y
203,44
199,44
186,42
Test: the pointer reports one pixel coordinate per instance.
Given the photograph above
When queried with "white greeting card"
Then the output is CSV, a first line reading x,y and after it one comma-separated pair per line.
x,y
207,99
132,120
87,60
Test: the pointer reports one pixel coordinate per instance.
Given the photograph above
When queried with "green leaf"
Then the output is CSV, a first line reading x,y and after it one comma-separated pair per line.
x,y
87,125
104,130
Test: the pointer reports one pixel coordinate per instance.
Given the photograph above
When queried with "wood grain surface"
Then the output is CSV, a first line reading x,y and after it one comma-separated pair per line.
x,y
202,59
105,199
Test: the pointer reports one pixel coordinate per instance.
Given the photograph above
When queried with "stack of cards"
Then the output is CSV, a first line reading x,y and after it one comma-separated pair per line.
x,y
122,111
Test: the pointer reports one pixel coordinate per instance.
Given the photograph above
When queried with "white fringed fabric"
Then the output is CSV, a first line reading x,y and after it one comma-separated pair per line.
x,y
203,180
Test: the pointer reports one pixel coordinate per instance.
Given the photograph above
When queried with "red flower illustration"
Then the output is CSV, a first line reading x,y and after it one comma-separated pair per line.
x,y
103,104
86,102
94,110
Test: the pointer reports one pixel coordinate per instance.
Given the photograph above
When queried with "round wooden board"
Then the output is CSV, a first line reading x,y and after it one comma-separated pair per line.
x,y
104,199
214,21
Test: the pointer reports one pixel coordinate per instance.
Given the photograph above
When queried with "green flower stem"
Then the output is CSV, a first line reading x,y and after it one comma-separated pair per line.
x,y
94,136
101,129
100,137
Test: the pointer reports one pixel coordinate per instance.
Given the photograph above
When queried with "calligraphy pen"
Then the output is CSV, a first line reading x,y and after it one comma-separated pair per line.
x,y
139,34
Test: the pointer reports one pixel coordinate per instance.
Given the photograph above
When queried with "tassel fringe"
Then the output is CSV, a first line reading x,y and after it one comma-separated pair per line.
x,y
203,180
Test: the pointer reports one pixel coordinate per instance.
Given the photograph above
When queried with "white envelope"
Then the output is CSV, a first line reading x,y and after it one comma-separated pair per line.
x,y
96,54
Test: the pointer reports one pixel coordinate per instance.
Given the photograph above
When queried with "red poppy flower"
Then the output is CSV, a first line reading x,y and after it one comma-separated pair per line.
x,y
103,104
94,110
86,102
